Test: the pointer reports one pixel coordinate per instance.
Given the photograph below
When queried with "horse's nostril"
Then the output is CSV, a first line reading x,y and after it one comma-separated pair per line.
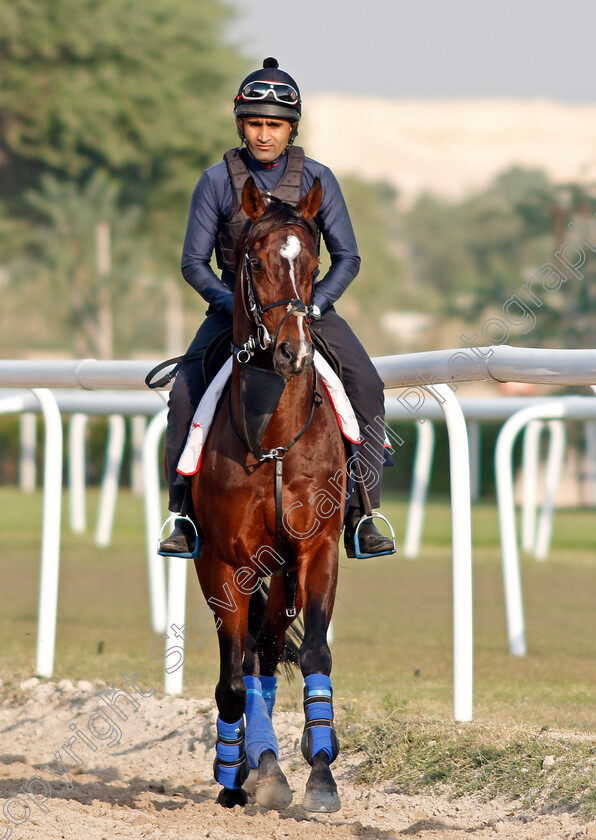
x,y
287,352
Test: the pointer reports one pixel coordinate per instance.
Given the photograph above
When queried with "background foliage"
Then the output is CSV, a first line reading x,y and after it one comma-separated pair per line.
x,y
470,257
140,90
109,112
135,97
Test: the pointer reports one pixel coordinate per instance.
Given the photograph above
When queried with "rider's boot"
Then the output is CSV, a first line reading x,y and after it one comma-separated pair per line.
x,y
370,539
182,540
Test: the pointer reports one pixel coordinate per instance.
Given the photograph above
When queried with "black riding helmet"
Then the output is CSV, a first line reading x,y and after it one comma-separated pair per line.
x,y
268,93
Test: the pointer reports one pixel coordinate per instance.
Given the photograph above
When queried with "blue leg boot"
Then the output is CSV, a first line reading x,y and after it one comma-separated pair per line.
x,y
269,689
230,767
320,745
272,789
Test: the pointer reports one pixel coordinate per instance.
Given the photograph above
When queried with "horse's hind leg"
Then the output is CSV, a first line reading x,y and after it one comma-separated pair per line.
x,y
320,745
272,788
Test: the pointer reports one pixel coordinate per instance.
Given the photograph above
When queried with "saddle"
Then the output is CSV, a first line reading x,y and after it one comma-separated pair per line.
x,y
216,354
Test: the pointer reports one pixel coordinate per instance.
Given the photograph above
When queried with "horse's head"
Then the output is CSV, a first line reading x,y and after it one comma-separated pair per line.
x,y
279,262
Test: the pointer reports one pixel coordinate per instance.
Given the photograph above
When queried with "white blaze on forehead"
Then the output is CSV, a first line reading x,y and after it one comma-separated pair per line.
x,y
290,250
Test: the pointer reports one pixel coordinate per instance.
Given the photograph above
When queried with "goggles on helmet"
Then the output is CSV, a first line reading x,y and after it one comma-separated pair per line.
x,y
280,91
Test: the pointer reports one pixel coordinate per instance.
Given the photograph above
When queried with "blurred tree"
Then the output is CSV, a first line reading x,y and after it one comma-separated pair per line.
x,y
141,90
473,255
493,237
572,313
85,252
379,286
373,212
530,194
441,268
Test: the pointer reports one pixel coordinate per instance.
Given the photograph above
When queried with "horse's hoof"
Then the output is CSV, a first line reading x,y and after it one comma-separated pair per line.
x,y
321,791
230,797
273,790
322,800
250,785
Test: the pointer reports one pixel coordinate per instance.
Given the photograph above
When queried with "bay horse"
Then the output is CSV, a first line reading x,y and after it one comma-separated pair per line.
x,y
241,516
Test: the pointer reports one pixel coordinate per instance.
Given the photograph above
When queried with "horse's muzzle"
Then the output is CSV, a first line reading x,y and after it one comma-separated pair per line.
x,y
289,360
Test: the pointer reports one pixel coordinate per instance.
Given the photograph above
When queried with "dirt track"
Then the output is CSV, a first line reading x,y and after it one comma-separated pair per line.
x,y
155,780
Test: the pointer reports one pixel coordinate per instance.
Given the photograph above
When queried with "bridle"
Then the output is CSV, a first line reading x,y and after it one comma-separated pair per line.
x,y
263,339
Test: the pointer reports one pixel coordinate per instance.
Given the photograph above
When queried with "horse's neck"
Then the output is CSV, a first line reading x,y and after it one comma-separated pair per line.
x,y
293,411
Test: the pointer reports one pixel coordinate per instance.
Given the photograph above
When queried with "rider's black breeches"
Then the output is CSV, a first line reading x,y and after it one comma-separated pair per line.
x,y
363,386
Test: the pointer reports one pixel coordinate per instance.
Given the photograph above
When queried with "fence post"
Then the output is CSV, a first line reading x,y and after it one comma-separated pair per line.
x,y
530,469
111,476
153,517
554,464
27,462
461,527
77,489
50,542
425,445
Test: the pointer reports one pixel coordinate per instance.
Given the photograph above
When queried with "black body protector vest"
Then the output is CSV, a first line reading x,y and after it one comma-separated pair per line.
x,y
289,190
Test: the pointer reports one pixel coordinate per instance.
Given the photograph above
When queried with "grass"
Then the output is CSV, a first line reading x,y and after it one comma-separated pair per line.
x,y
536,767
103,613
392,618
404,608
392,651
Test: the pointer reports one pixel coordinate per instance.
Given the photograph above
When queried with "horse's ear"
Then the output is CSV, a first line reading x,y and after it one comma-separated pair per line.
x,y
252,201
309,204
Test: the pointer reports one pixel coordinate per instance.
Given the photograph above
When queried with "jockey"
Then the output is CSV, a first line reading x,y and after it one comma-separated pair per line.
x,y
267,110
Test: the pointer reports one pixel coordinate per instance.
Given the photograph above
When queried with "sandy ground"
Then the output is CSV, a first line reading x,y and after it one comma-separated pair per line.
x,y
150,776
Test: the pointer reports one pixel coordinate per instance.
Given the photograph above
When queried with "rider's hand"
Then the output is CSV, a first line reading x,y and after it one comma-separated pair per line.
x,y
314,313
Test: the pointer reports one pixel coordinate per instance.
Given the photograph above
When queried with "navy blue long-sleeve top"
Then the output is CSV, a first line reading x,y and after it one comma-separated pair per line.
x,y
211,204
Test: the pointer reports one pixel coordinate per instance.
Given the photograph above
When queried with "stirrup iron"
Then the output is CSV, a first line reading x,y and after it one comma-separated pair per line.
x,y
187,555
373,515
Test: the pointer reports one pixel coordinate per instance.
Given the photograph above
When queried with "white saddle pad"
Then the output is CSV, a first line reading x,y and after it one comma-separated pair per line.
x,y
190,460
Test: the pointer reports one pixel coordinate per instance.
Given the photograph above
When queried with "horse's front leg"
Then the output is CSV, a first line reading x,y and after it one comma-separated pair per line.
x,y
230,609
320,746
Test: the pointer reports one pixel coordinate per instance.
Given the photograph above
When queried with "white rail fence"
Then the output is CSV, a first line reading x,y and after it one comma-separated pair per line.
x,y
570,408
478,411
421,374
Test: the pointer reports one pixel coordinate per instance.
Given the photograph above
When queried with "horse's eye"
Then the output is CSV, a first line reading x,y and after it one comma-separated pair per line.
x,y
256,264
